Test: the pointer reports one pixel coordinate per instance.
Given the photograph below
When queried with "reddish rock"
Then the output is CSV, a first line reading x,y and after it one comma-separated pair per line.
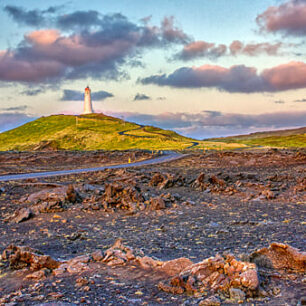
x,y
81,281
157,203
40,274
156,179
75,265
268,194
163,181
281,257
59,194
211,301
22,214
199,183
214,274
97,255
148,262
20,257
118,254
175,266
122,197
215,181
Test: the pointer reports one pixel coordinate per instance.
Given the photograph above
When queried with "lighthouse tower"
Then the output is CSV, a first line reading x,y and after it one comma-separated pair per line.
x,y
87,101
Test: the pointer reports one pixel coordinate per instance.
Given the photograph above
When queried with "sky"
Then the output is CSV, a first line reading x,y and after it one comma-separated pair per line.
x,y
204,68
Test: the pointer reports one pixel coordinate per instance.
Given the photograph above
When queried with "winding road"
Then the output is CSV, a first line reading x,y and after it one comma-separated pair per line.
x,y
166,157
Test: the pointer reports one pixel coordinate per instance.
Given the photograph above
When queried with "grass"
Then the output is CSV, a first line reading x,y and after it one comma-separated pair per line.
x,y
293,138
96,132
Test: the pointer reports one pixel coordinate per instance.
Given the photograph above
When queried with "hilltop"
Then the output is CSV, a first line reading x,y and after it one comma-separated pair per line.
x,y
281,138
95,132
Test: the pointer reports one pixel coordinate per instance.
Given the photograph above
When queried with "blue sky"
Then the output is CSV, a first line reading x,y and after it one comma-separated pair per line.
x,y
201,67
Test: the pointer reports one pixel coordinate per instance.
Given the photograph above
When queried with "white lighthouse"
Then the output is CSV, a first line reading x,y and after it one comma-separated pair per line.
x,y
87,101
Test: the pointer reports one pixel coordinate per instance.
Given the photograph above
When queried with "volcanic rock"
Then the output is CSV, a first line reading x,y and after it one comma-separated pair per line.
x,y
157,203
237,295
97,255
214,274
163,181
210,301
20,257
122,197
280,256
175,266
156,179
59,194
199,183
22,214
268,194
118,254
40,274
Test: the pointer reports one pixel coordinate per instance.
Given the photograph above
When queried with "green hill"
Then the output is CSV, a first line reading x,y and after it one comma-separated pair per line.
x,y
293,138
95,132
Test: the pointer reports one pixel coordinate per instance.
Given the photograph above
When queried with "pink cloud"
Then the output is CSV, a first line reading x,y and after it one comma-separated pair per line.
x,y
201,48
43,37
236,78
197,49
172,33
198,46
18,69
253,49
288,18
98,53
286,76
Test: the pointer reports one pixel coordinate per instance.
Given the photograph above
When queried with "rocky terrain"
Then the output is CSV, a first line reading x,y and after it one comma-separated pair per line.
x,y
214,228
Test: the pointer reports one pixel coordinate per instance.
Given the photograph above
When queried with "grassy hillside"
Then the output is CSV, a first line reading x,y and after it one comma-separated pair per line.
x,y
94,132
283,138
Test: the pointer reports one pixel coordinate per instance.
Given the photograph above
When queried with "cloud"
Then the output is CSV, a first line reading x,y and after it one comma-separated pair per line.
x,y
300,101
78,19
171,33
15,108
254,49
75,95
10,120
198,49
279,102
139,97
30,17
288,18
235,79
32,92
214,123
88,44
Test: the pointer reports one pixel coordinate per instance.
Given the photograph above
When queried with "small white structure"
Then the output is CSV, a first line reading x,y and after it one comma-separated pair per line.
x,y
87,101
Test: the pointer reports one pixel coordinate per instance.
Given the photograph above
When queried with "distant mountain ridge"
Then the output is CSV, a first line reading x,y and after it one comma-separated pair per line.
x,y
279,138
